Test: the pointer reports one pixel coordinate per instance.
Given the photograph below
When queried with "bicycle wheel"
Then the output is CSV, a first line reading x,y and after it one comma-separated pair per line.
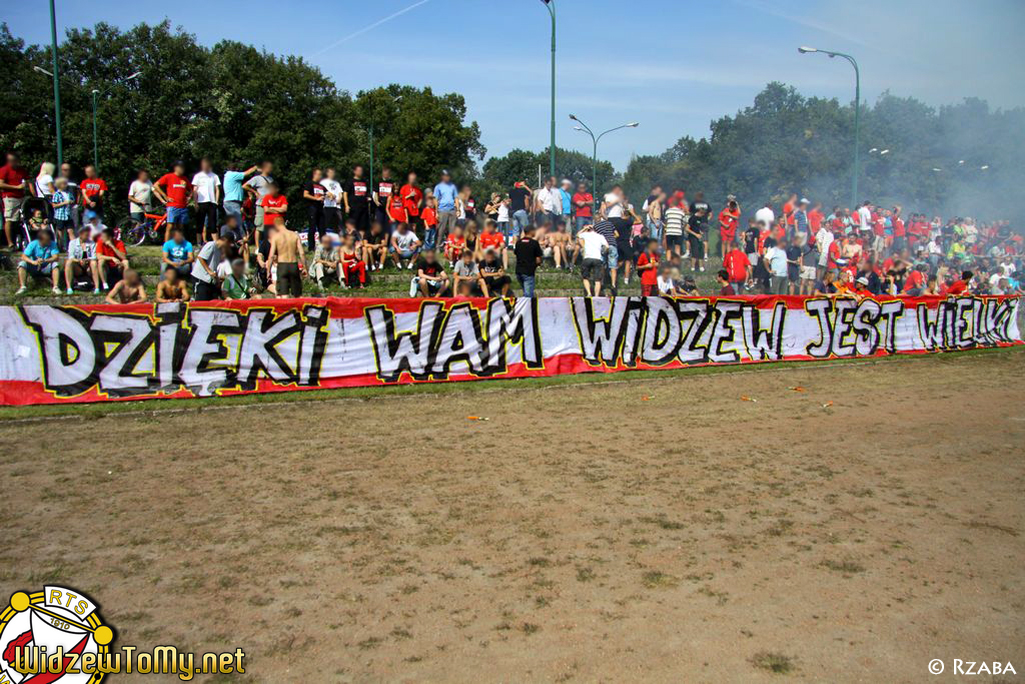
x,y
153,232
132,232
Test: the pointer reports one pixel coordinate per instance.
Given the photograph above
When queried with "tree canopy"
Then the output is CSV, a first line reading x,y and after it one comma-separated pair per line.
x,y
786,142
228,102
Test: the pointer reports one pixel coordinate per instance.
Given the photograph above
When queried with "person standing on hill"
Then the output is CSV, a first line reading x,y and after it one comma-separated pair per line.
x,y
207,194
447,195
412,202
286,252
174,190
314,195
528,257
357,200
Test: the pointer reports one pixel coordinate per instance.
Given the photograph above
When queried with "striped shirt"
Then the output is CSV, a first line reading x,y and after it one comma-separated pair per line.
x,y
675,220
61,213
607,230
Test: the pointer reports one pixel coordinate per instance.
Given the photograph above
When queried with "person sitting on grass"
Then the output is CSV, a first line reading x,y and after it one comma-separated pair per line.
x,y
593,247
405,246
352,263
455,244
725,288
177,253
375,247
81,261
111,258
430,279
39,261
172,288
238,285
128,290
324,267
468,280
647,265
490,238
665,284
496,281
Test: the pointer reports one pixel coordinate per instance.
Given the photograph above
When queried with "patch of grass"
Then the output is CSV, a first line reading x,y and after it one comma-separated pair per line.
x,y
529,628
776,663
585,574
654,579
845,567
369,643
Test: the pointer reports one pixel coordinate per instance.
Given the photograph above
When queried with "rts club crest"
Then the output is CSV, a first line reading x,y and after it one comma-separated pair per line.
x,y
54,623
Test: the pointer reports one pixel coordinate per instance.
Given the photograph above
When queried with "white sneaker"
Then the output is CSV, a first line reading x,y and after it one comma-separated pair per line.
x,y
409,266
413,287
56,290
105,287
21,290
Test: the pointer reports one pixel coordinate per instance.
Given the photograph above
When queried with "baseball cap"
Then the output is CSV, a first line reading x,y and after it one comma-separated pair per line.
x,y
862,280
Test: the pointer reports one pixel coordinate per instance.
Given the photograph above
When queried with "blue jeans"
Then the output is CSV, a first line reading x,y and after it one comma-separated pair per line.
x,y
580,222
520,220
430,237
527,283
655,230
179,215
234,209
612,258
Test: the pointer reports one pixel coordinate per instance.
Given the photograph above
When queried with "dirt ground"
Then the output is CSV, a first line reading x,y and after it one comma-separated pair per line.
x,y
646,530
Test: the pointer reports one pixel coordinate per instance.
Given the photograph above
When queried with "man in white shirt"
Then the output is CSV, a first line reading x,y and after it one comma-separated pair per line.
x,y
207,188
865,217
612,207
593,246
549,201
823,239
140,196
765,217
332,201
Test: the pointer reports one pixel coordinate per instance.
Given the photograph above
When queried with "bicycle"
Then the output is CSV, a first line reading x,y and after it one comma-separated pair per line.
x,y
136,233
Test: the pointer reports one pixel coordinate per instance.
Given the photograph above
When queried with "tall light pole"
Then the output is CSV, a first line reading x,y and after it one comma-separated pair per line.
x,y
594,139
857,111
96,94
550,4
56,85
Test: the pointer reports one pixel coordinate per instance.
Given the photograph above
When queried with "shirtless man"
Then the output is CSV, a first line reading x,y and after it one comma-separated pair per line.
x,y
128,290
172,288
286,251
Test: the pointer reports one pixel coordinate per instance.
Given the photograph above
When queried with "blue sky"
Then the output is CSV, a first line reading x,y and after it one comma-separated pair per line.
x,y
669,64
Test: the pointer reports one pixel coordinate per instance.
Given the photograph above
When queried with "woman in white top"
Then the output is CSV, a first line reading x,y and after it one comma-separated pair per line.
x,y
44,189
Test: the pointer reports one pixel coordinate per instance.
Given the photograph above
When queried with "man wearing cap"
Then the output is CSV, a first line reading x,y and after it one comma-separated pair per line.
x,y
174,190
447,195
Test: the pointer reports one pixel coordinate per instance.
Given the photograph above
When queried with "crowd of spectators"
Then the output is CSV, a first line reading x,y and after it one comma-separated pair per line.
x,y
230,236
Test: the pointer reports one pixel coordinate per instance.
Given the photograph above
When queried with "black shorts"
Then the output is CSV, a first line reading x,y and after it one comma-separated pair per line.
x,y
290,282
592,269
626,251
206,292
674,241
497,284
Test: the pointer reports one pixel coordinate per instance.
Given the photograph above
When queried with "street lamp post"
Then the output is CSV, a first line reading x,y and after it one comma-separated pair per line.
x,y
56,85
370,130
594,140
550,4
857,111
96,94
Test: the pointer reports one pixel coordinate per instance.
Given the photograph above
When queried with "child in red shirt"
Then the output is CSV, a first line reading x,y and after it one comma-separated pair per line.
x,y
647,266
429,215
455,243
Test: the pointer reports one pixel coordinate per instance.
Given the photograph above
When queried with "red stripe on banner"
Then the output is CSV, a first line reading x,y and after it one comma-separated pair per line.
x,y
19,392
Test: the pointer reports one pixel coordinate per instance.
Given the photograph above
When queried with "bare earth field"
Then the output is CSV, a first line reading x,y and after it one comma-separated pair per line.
x,y
635,530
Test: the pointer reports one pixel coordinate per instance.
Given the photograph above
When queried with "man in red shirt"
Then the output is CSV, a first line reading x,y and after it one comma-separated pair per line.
x,y
729,217
788,210
412,199
647,264
13,182
174,190
737,267
111,258
491,239
914,284
94,191
961,286
583,208
274,204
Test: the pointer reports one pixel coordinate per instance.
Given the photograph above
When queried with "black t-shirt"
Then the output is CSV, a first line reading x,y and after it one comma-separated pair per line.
x,y
385,189
376,238
358,191
315,189
519,197
471,208
793,254
471,243
702,221
528,251
493,266
751,240
429,269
